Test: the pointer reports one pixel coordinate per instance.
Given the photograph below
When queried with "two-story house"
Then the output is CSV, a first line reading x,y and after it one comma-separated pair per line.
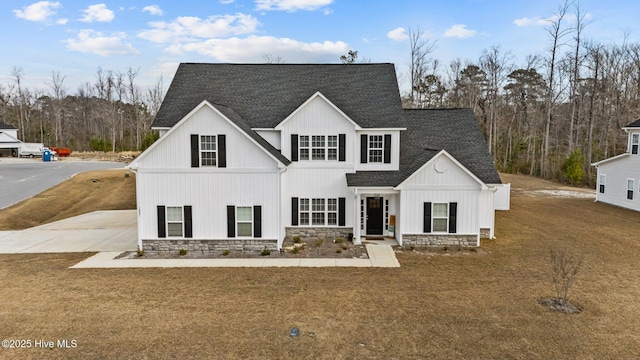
x,y
619,176
250,154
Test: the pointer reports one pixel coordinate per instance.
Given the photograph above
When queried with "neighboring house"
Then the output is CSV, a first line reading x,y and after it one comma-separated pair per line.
x,y
9,143
619,176
251,154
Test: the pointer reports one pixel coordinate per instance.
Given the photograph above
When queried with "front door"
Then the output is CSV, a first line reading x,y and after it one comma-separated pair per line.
x,y
374,216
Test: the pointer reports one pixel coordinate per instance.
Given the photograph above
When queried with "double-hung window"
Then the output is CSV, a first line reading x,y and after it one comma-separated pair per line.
x,y
635,140
603,182
304,147
317,147
332,211
208,150
375,148
304,212
317,211
332,147
630,187
244,221
175,221
440,217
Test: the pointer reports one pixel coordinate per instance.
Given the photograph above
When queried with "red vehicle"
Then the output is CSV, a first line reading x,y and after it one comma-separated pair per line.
x,y
61,152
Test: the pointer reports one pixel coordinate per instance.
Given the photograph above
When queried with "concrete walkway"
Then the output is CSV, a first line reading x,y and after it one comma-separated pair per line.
x,y
113,230
379,256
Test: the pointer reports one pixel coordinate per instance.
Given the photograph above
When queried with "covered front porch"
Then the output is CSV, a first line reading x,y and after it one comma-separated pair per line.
x,y
376,215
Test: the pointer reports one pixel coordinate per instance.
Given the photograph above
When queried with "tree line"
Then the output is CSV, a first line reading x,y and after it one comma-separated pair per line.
x,y
111,114
551,116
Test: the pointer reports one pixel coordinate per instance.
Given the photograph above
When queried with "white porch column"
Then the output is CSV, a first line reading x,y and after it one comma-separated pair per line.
x,y
356,220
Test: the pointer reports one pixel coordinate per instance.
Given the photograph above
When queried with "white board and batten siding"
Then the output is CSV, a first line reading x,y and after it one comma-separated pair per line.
x,y
617,172
172,151
317,117
442,180
250,178
209,202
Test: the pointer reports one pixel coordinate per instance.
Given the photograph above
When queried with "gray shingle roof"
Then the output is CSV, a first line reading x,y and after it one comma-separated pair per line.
x,y
428,132
6,126
239,121
265,94
634,124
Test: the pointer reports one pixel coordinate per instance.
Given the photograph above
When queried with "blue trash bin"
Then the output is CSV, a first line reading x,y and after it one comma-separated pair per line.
x,y
46,155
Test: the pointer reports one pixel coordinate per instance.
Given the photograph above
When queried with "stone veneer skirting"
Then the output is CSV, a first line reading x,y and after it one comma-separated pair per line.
x,y
485,233
306,232
439,240
216,247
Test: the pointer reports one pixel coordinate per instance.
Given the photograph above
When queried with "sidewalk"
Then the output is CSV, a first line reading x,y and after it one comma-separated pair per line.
x,y
379,256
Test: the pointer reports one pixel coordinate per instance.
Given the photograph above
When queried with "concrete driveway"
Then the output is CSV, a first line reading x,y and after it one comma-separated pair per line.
x,y
112,230
23,178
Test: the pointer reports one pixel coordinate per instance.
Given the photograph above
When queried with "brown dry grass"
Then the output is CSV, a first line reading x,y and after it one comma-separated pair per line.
x,y
432,307
85,192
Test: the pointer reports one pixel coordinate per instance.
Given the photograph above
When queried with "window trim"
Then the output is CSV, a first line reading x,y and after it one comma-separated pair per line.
x,y
238,222
208,151
181,222
603,182
635,142
307,206
307,146
371,149
434,217
631,185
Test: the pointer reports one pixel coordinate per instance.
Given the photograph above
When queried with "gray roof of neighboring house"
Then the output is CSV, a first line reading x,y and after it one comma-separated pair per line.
x,y
428,132
6,126
265,94
634,124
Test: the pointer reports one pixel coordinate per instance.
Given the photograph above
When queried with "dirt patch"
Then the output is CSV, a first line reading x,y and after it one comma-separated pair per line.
x,y
560,305
441,251
525,185
124,156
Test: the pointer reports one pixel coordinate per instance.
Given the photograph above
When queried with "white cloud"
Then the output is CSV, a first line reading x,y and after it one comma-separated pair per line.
x,y
537,21
89,41
291,5
252,49
153,10
398,34
97,12
39,11
190,28
226,2
62,21
460,31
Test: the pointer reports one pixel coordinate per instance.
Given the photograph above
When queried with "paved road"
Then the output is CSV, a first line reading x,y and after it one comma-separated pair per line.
x,y
23,178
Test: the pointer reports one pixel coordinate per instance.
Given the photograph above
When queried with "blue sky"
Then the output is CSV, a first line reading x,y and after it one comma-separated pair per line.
x,y
77,37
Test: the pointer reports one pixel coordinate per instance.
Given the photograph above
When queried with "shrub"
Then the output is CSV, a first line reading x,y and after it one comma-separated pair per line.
x,y
564,267
295,250
226,252
296,239
182,252
339,251
265,252
572,167
319,242
140,253
338,240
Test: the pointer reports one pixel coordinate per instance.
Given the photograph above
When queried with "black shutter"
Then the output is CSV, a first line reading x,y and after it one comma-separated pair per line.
x,y
195,151
257,221
188,227
341,213
453,210
231,221
387,149
294,147
342,147
363,149
222,151
427,218
294,211
162,226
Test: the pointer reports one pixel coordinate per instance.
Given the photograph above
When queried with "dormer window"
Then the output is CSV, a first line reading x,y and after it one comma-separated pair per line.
x,y
635,139
375,148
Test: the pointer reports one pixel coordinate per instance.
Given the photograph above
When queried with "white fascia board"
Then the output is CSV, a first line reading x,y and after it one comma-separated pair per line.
x,y
596,164
450,157
381,129
317,94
